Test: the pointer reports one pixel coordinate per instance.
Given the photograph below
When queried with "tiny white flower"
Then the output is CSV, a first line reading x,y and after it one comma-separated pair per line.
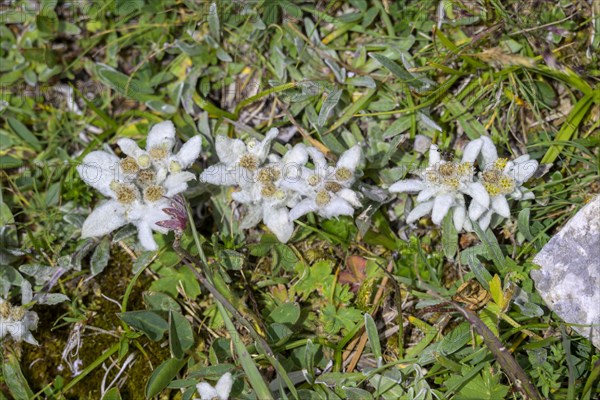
x,y
17,322
219,392
501,178
140,185
326,189
239,161
443,185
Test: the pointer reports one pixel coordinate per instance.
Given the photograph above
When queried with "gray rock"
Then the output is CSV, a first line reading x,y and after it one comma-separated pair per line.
x,y
569,280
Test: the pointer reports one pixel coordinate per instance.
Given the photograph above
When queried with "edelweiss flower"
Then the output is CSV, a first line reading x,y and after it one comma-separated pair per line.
x,y
501,178
327,189
239,162
220,391
268,196
140,185
443,185
17,322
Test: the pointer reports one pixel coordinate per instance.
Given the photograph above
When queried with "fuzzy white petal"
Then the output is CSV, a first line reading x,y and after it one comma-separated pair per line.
x,y
253,216
459,216
224,385
434,155
476,210
336,207
177,183
190,151
262,148
472,150
523,171
98,169
243,196
219,174
528,195
161,134
278,221
206,391
488,152
426,194
302,208
297,155
477,191
145,237
407,185
104,219
130,147
350,196
229,150
500,206
441,205
419,211
319,161
485,219
350,158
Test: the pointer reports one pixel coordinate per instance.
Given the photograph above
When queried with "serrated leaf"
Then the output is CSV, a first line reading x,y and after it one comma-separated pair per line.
x,y
163,375
100,258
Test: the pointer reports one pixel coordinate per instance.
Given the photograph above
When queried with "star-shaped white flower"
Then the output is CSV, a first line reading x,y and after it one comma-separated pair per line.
x,y
239,161
501,178
443,185
268,196
140,185
17,322
326,189
220,391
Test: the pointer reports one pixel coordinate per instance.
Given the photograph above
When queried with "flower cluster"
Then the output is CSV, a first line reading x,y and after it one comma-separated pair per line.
x,y
279,190
443,185
17,322
139,186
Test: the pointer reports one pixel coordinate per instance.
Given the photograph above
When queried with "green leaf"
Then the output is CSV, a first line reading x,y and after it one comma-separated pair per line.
x,y
336,319
181,336
330,102
484,386
100,258
24,133
163,375
449,237
231,259
112,394
132,88
496,291
214,26
14,379
397,70
373,337
570,126
148,322
287,314
160,301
